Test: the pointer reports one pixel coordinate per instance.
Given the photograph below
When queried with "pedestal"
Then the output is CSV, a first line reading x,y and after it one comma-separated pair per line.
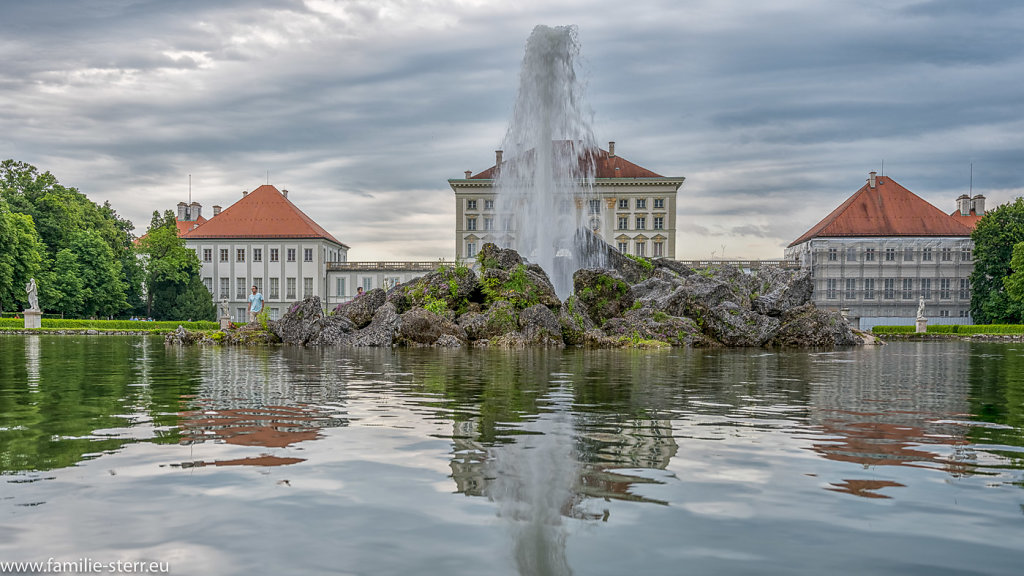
x,y
33,318
922,325
225,322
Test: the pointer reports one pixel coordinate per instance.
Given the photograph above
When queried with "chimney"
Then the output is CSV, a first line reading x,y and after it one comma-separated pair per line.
x,y
196,210
963,205
284,193
245,193
468,174
871,179
216,210
611,148
978,205
182,211
497,158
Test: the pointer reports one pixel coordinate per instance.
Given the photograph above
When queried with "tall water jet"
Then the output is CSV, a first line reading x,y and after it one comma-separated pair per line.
x,y
545,185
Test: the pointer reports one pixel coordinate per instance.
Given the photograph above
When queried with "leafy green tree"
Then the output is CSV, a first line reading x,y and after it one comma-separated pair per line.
x,y
171,274
63,289
1014,283
102,287
994,239
21,256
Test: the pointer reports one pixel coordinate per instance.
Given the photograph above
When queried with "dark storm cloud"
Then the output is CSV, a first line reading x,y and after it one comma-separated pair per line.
x,y
364,108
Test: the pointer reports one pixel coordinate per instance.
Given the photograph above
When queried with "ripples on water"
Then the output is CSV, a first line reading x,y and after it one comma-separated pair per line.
x,y
900,459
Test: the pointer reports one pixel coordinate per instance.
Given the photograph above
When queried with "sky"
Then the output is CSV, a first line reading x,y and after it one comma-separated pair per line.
x,y
774,112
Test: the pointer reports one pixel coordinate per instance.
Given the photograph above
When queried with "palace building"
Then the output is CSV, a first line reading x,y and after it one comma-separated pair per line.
x,y
885,249
635,210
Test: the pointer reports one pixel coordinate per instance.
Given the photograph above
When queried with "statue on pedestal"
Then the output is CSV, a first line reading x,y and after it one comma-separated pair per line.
x,y
224,309
920,309
33,295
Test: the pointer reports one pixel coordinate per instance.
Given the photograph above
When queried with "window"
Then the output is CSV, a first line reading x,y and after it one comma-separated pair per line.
x,y
392,281
291,254
488,204
307,255
965,254
240,255
944,288
926,288
289,288
367,283
223,254
595,224
595,206
830,288
926,254
225,288
307,287
944,313
659,249
258,282
659,222
275,255
470,249
623,247
963,313
889,285
641,248
890,254
851,289
240,288
275,288
470,204
869,254
240,314
641,223
208,282
257,254
275,313
488,223
833,254
641,203
659,202
851,254
947,254
965,289
339,287
471,223
623,204
207,255
869,288
908,254
908,289
623,223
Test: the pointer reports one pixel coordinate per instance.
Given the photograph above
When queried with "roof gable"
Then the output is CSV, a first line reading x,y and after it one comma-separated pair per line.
x,y
887,209
606,165
263,213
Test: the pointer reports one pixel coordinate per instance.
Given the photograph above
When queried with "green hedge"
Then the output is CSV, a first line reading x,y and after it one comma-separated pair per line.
x,y
64,324
965,329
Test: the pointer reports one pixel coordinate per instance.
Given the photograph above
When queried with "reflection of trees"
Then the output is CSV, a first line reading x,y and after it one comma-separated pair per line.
x,y
66,398
996,379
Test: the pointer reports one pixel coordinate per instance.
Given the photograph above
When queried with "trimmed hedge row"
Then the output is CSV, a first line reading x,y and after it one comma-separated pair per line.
x,y
965,329
67,324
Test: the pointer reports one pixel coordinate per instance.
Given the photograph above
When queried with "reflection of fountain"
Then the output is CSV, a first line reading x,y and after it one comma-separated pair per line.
x,y
533,484
32,360
545,188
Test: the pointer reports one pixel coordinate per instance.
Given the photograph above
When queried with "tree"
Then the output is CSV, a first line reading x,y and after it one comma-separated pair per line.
x,y
171,274
102,287
1014,283
64,288
21,256
994,239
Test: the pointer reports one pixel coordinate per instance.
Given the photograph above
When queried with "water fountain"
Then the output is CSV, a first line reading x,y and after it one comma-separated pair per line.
x,y
546,185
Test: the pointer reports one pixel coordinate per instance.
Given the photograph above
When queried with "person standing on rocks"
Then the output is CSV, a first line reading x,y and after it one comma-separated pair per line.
x,y
255,303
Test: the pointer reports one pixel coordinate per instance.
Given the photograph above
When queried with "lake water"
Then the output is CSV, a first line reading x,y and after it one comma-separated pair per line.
x,y
900,459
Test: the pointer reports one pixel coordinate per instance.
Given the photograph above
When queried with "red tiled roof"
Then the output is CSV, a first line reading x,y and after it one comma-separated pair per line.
x,y
970,220
185,225
262,213
888,209
605,166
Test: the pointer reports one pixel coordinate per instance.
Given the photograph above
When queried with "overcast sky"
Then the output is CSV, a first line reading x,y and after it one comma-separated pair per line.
x,y
773,111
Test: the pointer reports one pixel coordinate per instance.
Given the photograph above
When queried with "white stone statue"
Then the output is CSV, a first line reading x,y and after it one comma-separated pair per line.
x,y
224,309
33,295
920,309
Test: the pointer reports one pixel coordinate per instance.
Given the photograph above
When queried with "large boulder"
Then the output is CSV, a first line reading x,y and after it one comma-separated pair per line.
x,y
782,290
808,326
604,293
650,324
453,286
381,330
575,322
360,310
421,327
539,326
734,325
334,329
301,323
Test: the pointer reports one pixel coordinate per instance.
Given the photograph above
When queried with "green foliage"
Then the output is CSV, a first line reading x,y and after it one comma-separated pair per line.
x,y
636,306
171,273
893,330
636,340
63,290
21,257
962,329
436,305
644,263
102,287
518,290
991,329
485,263
1014,283
136,325
995,238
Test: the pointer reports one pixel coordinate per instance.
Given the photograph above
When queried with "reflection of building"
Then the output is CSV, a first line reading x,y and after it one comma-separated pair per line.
x,y
263,239
886,248
635,210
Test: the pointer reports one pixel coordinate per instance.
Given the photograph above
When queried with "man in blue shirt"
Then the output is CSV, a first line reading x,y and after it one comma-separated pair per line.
x,y
255,304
